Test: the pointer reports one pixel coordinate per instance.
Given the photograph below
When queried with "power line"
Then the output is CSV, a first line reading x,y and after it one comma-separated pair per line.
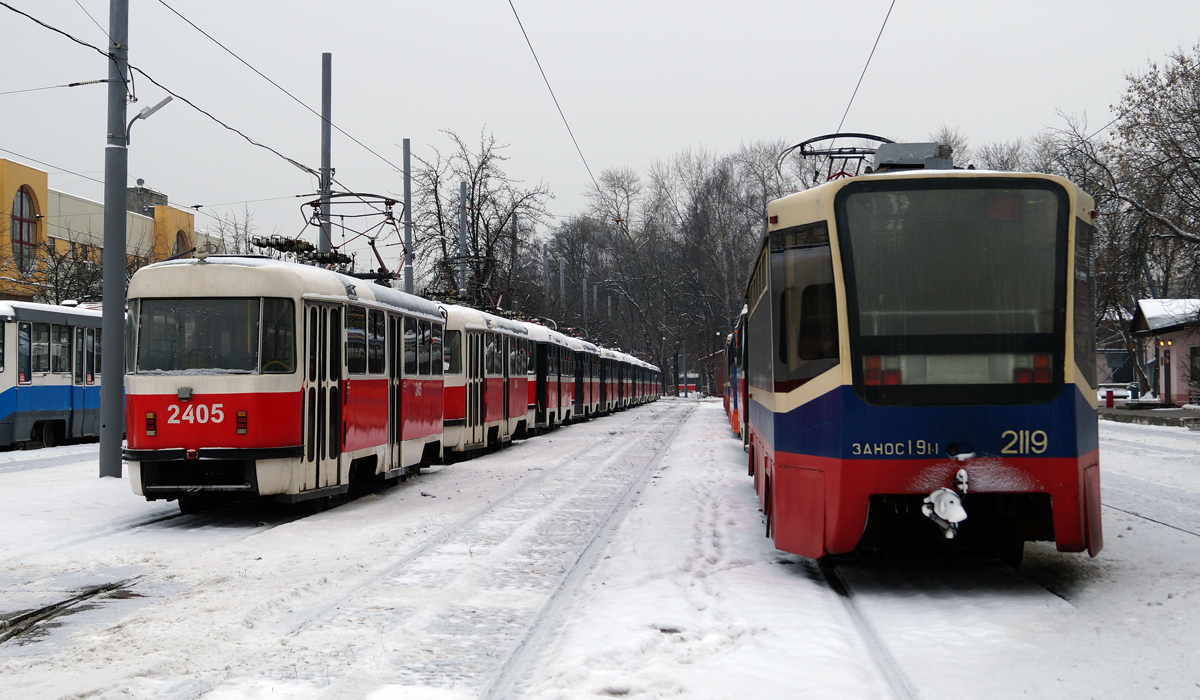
x,y
56,30
52,87
864,70
55,167
552,96
89,14
277,85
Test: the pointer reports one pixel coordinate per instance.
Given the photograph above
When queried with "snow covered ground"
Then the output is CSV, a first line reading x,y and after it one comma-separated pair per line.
x,y
622,557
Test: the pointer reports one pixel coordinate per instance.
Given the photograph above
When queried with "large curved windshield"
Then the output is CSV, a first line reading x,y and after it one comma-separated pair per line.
x,y
215,335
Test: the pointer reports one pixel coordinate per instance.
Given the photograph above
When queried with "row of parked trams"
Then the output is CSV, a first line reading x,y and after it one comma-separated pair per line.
x,y
915,364
248,377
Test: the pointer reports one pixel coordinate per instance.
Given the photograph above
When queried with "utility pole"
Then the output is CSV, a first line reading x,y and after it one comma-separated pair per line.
x,y
326,141
408,244
116,172
584,298
562,286
462,237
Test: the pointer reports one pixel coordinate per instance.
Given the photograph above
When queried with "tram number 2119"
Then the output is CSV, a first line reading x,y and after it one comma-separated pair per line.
x,y
198,413
1024,442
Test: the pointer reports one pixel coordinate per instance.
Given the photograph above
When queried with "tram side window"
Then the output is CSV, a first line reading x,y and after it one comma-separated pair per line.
x,y
452,354
279,337
376,332
24,375
60,349
530,364
356,340
489,354
424,348
806,332
41,347
79,347
313,343
436,354
410,346
3,333
130,337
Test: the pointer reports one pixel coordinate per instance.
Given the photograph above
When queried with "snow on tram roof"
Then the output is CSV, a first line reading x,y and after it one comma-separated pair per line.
x,y
305,281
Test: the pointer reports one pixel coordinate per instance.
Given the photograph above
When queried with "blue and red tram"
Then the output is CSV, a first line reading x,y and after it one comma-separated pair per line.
x,y
920,349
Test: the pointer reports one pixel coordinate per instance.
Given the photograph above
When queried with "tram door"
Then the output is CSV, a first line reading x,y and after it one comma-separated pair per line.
x,y
78,415
474,389
322,395
395,391
505,344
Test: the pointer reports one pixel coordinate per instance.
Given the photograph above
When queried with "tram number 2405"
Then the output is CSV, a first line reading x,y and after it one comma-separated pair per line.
x,y
198,413
1024,442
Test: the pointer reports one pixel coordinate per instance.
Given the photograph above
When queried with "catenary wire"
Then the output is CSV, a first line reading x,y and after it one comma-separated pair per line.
x,y
552,96
56,30
864,70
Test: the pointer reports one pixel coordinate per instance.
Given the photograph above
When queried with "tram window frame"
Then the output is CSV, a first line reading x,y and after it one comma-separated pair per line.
x,y
60,351
356,340
436,354
131,319
376,341
24,353
410,347
424,348
963,341
40,347
452,353
278,330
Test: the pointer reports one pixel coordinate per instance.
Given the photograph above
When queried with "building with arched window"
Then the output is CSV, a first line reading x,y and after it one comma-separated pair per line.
x,y
52,240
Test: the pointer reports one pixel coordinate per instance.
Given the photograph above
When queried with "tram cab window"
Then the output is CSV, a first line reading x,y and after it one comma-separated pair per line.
x,y
805,309
184,336
130,336
410,347
93,354
278,337
376,335
356,340
424,347
530,364
436,353
452,354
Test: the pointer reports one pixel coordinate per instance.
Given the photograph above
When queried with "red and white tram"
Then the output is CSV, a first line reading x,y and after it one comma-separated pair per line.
x,y
587,379
485,379
252,377
553,359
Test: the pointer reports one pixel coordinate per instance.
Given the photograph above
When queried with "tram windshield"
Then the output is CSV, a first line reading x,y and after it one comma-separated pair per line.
x,y
215,336
955,282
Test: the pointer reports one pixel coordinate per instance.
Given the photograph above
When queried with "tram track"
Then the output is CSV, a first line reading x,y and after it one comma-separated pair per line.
x,y
29,621
901,686
504,572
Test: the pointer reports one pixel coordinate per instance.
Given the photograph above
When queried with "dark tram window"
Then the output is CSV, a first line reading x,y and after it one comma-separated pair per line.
x,y
435,350
452,355
356,340
424,344
376,335
410,347
279,337
805,317
1085,304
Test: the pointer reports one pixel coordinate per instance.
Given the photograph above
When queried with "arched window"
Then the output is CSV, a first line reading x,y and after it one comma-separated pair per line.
x,y
181,243
24,230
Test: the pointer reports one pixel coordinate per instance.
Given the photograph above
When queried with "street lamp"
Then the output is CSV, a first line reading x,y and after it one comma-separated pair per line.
x,y
145,114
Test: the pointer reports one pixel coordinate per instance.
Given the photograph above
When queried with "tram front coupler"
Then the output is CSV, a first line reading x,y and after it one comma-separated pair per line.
x,y
944,506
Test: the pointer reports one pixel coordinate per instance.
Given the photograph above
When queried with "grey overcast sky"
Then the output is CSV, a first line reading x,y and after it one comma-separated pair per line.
x,y
638,82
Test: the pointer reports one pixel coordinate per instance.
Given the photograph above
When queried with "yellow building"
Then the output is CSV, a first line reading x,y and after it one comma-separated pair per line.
x,y
51,239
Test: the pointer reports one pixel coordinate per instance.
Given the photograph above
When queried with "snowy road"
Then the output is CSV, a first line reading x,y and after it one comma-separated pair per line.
x,y
623,557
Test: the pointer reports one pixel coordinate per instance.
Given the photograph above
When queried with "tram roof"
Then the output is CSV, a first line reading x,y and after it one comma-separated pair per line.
x,y
48,313
477,320
227,276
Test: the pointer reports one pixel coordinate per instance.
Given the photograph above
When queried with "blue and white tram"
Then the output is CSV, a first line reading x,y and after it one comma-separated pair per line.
x,y
49,373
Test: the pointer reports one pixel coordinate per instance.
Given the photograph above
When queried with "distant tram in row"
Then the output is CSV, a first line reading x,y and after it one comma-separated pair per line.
x,y
248,377
919,361
49,373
